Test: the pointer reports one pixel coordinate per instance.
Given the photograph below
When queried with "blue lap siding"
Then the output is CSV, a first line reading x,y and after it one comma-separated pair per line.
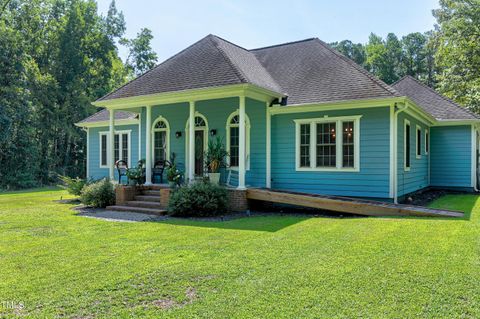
x,y
448,164
417,177
371,181
451,161
97,172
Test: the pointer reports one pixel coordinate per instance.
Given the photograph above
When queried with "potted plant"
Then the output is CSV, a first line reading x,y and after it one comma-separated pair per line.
x,y
215,158
135,175
174,175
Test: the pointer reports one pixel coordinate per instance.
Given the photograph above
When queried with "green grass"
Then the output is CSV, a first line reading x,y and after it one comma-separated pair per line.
x,y
61,265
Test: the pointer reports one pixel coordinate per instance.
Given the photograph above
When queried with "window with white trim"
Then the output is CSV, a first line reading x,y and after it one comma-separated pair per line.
x,y
406,151
121,147
427,141
233,140
160,133
305,145
419,142
329,144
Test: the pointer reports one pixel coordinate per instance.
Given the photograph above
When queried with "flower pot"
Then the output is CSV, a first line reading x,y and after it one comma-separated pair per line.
x,y
214,178
172,184
132,182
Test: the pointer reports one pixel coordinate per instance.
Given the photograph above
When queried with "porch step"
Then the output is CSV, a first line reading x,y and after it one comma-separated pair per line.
x,y
151,192
148,198
144,204
156,187
142,210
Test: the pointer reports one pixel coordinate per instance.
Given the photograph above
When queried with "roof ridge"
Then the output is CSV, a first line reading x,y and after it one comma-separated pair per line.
x,y
370,76
242,77
156,66
401,79
282,44
230,42
464,108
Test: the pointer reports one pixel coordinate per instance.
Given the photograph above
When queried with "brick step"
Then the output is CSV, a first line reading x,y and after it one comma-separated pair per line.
x,y
148,198
151,193
144,204
155,187
142,210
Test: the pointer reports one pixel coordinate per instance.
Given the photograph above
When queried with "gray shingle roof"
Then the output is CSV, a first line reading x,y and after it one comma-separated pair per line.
x,y
431,101
309,71
103,115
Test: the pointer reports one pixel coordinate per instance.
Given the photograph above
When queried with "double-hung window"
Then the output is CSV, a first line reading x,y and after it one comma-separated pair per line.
x,y
328,144
121,147
419,142
407,146
233,140
427,142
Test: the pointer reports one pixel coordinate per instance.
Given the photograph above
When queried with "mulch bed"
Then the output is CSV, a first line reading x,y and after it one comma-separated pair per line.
x,y
423,198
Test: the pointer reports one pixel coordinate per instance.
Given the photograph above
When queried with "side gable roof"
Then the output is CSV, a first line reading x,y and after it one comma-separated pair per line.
x,y
209,62
431,101
309,71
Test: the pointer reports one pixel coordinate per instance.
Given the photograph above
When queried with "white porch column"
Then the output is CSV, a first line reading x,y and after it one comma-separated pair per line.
x,y
191,142
242,145
111,148
148,141
268,174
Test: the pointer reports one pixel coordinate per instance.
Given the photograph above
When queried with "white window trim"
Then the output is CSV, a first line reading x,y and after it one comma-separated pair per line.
x,y
418,128
167,136
187,136
426,139
128,132
247,142
405,167
339,144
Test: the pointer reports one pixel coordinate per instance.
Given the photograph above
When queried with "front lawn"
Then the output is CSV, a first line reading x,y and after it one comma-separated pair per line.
x,y
57,264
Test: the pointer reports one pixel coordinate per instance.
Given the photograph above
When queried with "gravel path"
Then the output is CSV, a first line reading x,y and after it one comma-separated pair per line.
x,y
115,216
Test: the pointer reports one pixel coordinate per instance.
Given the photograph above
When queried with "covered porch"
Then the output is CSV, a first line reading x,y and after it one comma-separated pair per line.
x,y
241,121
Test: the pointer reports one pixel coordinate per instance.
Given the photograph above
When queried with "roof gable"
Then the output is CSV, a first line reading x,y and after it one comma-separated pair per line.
x,y
209,62
431,101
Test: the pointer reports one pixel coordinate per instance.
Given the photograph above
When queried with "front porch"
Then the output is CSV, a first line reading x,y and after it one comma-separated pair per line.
x,y
163,131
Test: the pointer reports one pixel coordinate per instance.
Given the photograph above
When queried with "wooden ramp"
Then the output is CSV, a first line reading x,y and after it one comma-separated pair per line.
x,y
347,204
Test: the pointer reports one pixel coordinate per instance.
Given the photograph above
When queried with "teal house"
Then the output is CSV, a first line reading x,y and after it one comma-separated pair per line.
x,y
297,117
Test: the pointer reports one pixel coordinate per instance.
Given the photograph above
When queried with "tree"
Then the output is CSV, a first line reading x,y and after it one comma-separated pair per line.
x,y
414,54
383,57
458,51
115,22
56,56
17,154
353,51
141,57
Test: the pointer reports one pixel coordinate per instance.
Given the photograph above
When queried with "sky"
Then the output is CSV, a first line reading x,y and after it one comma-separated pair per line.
x,y
256,23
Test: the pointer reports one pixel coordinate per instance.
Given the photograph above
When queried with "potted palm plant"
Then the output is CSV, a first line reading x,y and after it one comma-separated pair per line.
x,y
215,158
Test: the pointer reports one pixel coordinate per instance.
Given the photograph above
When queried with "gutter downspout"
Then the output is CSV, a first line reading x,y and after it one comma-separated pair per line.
x,y
397,110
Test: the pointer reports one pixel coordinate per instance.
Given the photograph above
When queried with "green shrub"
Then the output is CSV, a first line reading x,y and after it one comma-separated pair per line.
x,y
73,186
198,200
98,194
